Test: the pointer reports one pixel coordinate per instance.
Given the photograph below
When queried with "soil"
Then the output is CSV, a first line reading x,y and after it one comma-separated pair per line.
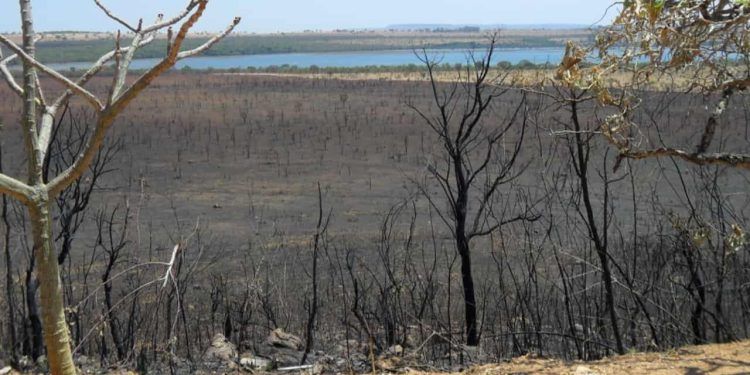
x,y
731,358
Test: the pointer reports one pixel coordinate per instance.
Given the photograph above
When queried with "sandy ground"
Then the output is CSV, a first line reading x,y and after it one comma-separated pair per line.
x,y
708,359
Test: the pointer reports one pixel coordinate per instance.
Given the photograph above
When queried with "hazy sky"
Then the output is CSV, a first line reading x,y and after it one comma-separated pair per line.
x,y
297,15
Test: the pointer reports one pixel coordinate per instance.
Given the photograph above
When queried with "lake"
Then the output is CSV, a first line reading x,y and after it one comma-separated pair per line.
x,y
342,59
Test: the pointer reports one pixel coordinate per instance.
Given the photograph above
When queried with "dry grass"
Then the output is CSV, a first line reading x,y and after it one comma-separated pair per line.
x,y
731,358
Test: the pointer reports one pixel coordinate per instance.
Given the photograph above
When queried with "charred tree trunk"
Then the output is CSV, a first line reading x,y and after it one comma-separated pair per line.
x,y
697,290
464,252
470,304
114,323
473,170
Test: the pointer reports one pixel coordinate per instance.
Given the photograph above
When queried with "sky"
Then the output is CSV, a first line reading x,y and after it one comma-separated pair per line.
x,y
267,16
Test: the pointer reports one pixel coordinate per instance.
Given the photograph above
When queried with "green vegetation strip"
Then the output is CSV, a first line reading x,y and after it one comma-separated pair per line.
x,y
60,51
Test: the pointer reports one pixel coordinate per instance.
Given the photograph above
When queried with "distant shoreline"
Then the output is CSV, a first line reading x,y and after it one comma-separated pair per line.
x,y
64,49
402,60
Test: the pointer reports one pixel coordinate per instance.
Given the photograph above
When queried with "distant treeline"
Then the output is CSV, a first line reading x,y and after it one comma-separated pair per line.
x,y
314,69
60,51
407,68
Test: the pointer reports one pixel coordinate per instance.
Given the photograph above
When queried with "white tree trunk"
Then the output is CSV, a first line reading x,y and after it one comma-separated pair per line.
x,y
56,335
36,193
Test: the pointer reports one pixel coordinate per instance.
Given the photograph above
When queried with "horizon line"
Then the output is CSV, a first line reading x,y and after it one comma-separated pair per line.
x,y
390,27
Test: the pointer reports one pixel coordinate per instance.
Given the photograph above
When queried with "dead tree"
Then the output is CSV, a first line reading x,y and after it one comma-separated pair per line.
x,y
477,159
580,147
111,238
37,193
320,232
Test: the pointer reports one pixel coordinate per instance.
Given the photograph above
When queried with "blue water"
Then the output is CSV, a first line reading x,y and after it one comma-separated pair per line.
x,y
343,59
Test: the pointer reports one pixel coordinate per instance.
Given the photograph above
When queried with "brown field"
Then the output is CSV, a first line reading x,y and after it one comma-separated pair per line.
x,y
243,153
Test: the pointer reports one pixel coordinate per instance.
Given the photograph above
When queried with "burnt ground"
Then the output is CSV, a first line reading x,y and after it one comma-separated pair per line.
x,y
243,154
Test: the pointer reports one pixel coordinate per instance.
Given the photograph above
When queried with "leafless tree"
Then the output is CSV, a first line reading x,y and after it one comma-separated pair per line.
x,y
318,240
597,218
477,159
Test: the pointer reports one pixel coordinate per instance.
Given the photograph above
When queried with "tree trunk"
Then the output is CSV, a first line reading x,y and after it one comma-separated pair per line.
x,y
470,304
697,290
33,344
9,284
114,324
464,250
56,336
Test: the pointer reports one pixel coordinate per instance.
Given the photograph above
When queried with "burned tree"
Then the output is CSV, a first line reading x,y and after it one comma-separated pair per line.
x,y
37,193
478,158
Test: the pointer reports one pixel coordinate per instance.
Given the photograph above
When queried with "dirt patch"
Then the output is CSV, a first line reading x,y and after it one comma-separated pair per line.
x,y
707,359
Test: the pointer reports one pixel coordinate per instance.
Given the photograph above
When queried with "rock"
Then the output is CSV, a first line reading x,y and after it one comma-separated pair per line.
x,y
252,363
318,369
396,350
41,364
282,357
6,370
327,364
221,352
280,339
24,363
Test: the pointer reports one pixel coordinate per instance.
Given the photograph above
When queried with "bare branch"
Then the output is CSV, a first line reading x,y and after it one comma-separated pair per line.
x,y
168,273
115,107
39,92
96,68
124,65
8,76
52,73
524,217
162,24
45,131
165,64
722,158
114,17
205,46
15,188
